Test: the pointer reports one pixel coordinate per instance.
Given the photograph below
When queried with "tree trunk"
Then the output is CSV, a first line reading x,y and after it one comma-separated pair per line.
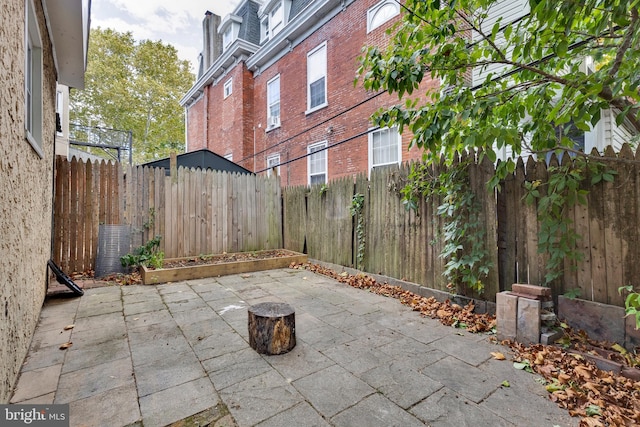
x,y
272,328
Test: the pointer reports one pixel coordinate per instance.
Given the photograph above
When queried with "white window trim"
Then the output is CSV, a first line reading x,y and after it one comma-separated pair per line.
x,y
265,14
230,23
371,13
322,144
310,110
228,88
272,157
370,157
264,29
269,125
33,42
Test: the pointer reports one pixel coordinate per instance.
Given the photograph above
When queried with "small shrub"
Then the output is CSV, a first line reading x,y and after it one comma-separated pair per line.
x,y
147,255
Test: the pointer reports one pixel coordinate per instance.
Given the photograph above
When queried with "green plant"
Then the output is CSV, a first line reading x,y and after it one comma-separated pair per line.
x,y
631,303
357,204
323,189
560,192
573,293
147,255
148,225
465,251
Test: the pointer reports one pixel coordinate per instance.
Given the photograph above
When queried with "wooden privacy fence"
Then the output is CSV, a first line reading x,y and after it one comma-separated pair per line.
x,y
406,244
199,212
195,212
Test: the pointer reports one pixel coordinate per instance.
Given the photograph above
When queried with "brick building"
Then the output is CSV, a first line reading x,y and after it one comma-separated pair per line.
x,y
275,87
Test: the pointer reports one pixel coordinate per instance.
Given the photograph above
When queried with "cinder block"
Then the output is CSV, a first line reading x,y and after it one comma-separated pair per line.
x,y
506,315
550,337
534,290
528,324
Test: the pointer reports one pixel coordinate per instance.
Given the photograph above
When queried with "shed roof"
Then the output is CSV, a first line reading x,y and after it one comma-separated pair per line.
x,y
203,159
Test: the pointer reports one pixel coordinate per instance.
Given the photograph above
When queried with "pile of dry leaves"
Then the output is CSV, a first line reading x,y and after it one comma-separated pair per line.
x,y
600,398
448,313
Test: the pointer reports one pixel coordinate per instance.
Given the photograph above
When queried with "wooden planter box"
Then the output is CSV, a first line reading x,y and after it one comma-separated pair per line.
x,y
162,275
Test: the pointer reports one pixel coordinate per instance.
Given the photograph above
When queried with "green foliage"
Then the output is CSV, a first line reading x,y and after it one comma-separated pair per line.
x,y
134,85
573,293
148,255
562,191
538,84
357,205
465,252
323,189
632,303
553,71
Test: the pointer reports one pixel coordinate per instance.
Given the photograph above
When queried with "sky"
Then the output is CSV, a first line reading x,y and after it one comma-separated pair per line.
x,y
175,22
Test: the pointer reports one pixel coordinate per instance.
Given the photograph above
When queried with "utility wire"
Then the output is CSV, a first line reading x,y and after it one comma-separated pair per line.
x,y
312,127
295,159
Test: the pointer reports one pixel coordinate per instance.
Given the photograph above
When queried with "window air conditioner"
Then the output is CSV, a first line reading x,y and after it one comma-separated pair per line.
x,y
274,121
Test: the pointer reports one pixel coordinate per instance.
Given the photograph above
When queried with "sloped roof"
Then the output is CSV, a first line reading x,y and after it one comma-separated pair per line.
x,y
200,159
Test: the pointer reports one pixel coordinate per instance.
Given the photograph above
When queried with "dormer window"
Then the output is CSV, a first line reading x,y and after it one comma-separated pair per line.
x,y
227,38
273,17
277,19
229,28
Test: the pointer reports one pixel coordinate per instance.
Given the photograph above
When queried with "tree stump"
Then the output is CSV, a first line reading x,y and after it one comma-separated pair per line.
x,y
272,328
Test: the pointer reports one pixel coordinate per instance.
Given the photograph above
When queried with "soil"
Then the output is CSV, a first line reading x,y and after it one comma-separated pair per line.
x,y
225,258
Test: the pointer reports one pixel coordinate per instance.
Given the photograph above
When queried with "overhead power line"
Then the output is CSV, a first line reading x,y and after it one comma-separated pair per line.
x,y
295,159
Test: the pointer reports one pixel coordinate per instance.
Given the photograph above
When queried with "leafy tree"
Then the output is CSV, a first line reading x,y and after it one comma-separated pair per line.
x,y
535,93
538,85
134,86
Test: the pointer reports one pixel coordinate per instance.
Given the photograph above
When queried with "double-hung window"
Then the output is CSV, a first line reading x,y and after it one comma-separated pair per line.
x,y
33,80
273,18
384,147
228,87
227,37
317,78
273,161
276,18
317,163
273,103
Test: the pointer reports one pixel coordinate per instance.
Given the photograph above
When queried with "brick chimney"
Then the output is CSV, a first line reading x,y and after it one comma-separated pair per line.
x,y
212,41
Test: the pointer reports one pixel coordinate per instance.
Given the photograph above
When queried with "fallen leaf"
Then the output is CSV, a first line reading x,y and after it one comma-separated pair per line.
x,y
564,378
555,386
66,328
505,383
66,345
593,410
497,355
592,422
582,371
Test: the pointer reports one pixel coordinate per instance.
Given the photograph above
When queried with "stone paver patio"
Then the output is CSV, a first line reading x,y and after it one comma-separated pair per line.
x,y
153,355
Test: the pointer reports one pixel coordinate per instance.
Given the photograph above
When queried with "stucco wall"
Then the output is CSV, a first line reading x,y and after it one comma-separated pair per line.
x,y
25,195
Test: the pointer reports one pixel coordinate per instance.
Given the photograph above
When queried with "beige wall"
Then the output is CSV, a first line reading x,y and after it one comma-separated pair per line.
x,y
25,194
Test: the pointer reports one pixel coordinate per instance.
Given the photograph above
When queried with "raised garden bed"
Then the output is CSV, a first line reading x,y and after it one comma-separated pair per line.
x,y
177,269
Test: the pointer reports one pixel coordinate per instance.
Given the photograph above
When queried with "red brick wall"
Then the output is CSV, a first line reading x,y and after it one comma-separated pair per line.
x,y
196,137
232,121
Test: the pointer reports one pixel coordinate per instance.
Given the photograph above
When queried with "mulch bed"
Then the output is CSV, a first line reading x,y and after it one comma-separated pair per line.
x,y
225,257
